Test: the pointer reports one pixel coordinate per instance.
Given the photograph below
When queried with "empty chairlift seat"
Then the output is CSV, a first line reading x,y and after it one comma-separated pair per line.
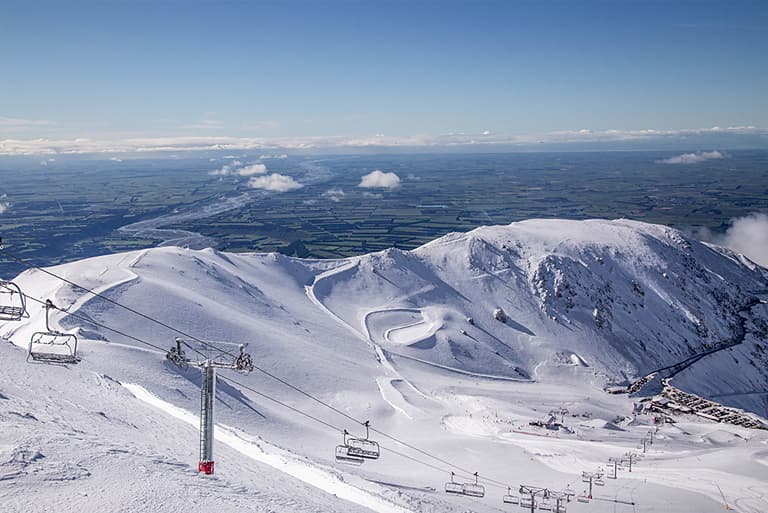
x,y
13,306
469,489
509,498
545,505
52,345
474,490
454,488
343,456
357,450
526,502
363,448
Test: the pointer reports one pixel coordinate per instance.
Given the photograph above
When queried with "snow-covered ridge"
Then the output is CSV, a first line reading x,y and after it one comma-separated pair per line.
x,y
454,347
621,297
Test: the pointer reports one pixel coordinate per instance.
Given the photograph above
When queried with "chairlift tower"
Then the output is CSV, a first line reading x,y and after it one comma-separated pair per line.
x,y
208,366
532,492
560,498
591,477
630,457
615,463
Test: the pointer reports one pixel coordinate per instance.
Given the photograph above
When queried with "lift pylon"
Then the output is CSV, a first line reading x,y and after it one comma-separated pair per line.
x,y
528,496
591,477
242,362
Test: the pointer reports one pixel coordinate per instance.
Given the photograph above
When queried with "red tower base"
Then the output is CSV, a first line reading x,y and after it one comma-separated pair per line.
x,y
206,467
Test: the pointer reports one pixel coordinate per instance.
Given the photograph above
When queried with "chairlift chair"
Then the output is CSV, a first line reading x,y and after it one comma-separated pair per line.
x,y
244,362
526,502
13,303
509,498
582,498
343,456
52,345
469,489
474,489
453,487
545,505
562,508
177,356
362,447
357,450
599,482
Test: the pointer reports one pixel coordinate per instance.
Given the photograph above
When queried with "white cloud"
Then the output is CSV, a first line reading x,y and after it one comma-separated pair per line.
x,y
253,169
224,170
4,205
235,169
42,146
274,182
24,123
693,158
274,156
205,124
749,235
334,194
378,179
372,195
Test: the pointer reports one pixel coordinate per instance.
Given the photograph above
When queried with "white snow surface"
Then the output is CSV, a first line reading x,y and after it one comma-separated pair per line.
x,y
387,337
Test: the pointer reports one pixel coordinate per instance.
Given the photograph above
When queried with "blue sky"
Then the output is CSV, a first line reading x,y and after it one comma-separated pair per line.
x,y
295,69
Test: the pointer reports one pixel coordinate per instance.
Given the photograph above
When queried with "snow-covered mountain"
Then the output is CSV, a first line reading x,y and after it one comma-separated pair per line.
x,y
453,346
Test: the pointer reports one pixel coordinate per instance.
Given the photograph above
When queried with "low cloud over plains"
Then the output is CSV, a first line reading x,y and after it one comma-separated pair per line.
x,y
380,180
237,169
334,194
732,136
274,182
693,158
4,205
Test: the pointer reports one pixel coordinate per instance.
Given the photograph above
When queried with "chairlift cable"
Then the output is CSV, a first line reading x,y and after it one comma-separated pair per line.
x,y
100,325
327,424
109,300
242,385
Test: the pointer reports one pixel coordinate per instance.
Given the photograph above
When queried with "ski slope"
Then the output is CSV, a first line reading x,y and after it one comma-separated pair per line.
x,y
407,340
